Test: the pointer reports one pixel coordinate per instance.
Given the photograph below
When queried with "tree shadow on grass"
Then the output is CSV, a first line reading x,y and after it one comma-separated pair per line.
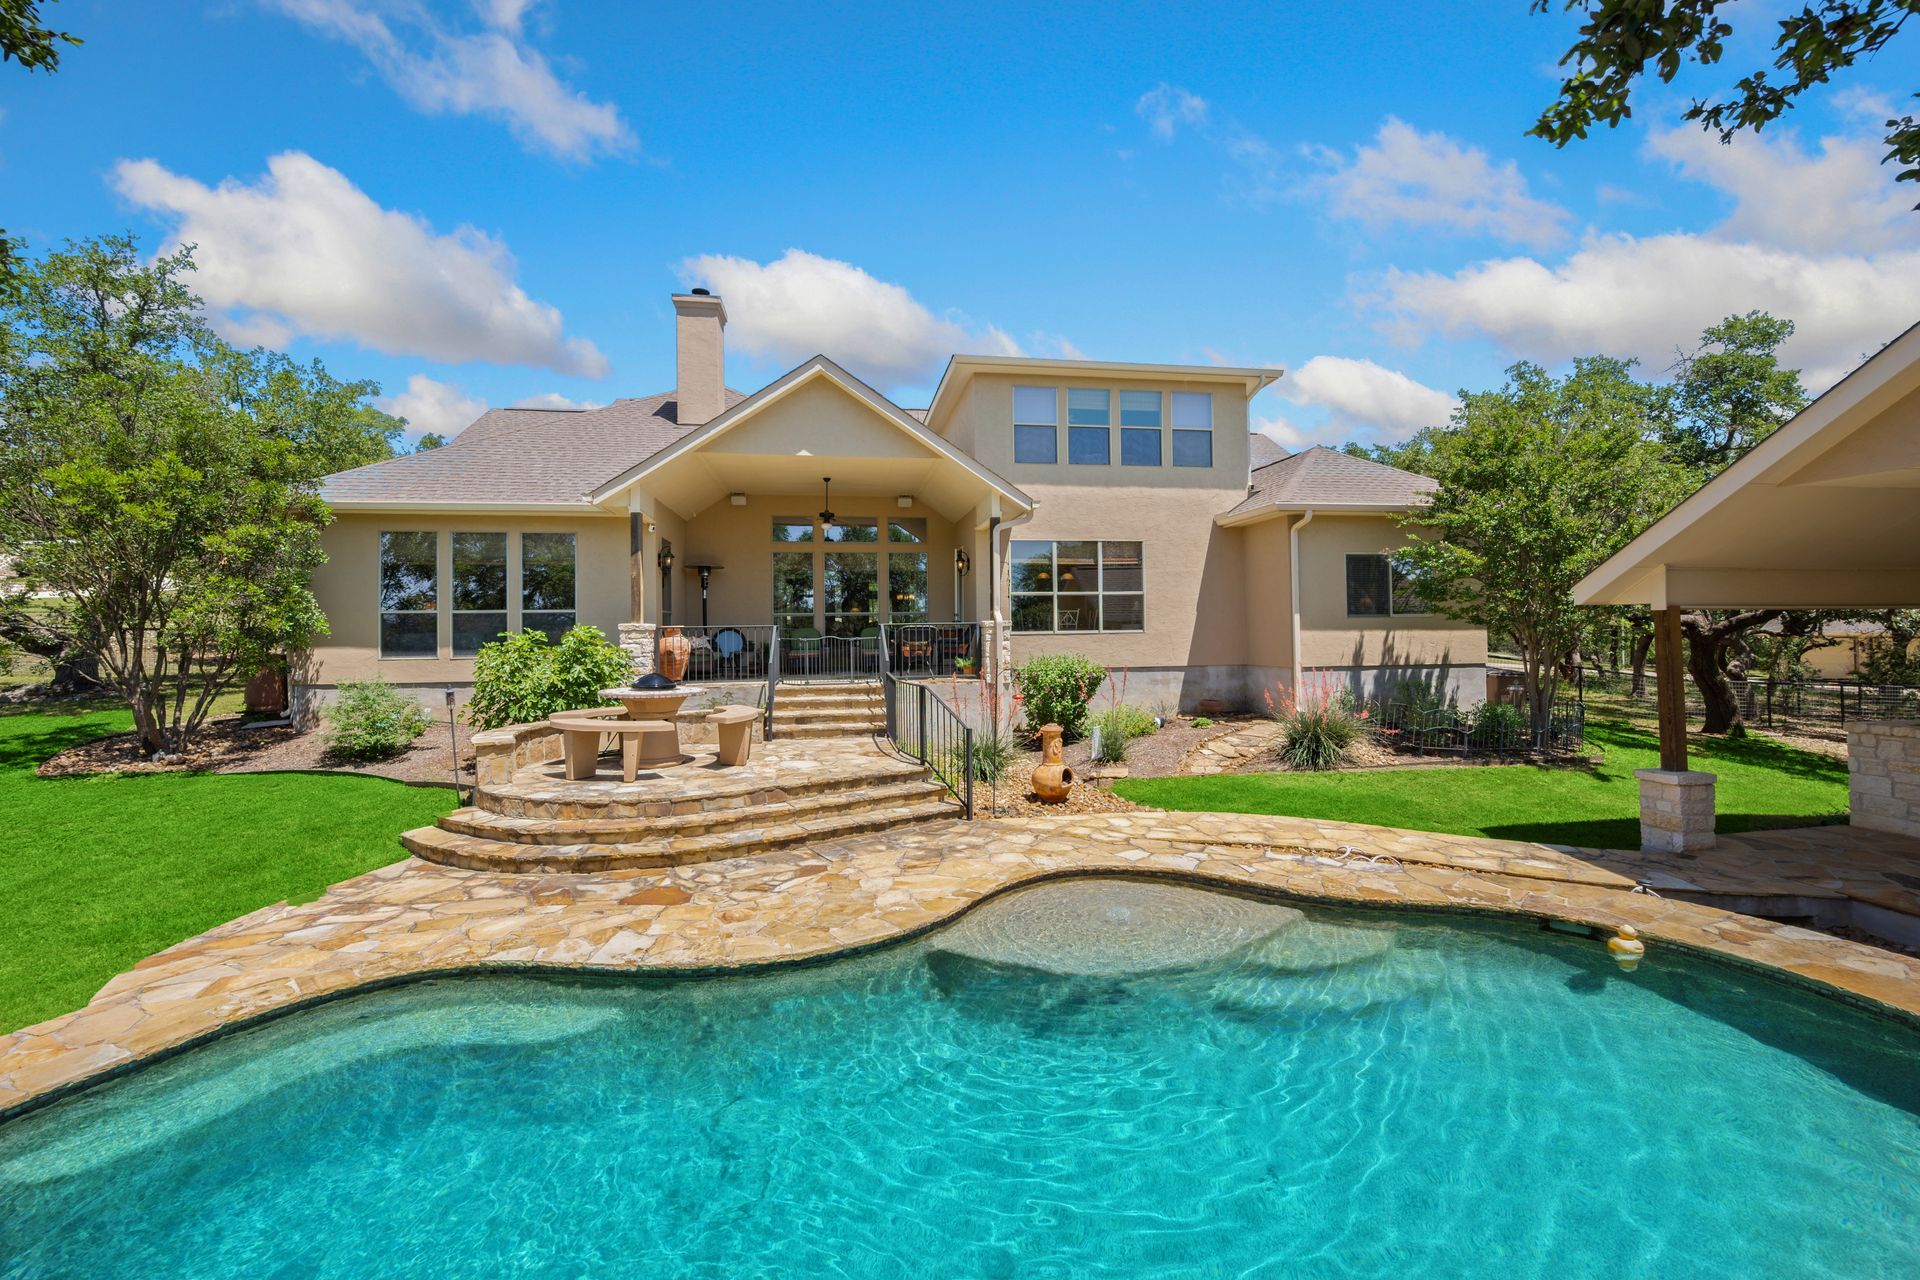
x,y
1624,833
24,751
1753,751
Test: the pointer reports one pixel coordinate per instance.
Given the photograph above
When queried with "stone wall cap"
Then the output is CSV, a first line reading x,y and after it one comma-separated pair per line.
x,y
1683,778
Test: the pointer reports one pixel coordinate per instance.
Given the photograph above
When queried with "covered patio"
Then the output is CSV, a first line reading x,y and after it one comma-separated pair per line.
x,y
814,531
1823,514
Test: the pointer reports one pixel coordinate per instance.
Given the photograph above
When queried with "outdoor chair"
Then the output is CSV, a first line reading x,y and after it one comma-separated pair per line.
x,y
803,649
728,646
869,649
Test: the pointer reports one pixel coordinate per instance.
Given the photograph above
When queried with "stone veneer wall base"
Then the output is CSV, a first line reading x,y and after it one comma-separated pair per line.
x,y
1883,775
1676,810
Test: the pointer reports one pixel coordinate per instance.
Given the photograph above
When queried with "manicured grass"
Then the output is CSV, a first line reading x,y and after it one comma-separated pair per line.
x,y
1762,783
97,873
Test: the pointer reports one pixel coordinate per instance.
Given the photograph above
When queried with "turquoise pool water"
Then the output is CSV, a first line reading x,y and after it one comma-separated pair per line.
x,y
1096,1081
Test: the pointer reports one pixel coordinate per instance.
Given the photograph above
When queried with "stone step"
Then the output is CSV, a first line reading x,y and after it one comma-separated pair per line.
x,y
699,791
450,848
827,715
486,825
829,729
785,699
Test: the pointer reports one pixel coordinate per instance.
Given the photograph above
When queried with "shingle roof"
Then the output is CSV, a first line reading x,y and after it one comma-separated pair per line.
x,y
1262,449
1323,477
523,455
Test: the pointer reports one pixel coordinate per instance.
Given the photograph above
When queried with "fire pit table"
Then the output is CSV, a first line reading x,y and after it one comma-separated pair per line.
x,y
655,697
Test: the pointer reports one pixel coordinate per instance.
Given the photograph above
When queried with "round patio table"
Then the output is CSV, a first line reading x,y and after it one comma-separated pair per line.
x,y
662,747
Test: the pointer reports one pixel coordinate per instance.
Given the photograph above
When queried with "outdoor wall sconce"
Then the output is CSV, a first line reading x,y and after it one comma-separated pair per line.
x,y
962,562
665,558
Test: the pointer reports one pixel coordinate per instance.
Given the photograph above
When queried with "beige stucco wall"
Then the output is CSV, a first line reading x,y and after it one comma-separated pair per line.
x,y
1267,585
1331,639
348,589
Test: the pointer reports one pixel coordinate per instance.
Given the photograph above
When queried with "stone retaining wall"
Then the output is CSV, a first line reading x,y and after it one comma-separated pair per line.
x,y
1883,775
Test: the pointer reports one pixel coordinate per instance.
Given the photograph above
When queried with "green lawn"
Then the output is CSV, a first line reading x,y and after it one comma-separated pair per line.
x,y
1762,783
96,873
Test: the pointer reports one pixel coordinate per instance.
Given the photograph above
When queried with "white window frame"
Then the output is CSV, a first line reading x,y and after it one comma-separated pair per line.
x,y
1052,426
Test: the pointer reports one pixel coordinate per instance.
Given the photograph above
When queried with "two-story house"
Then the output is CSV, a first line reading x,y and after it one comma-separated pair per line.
x,y
815,530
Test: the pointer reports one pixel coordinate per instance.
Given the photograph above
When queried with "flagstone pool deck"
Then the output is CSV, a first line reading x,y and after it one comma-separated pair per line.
x,y
416,918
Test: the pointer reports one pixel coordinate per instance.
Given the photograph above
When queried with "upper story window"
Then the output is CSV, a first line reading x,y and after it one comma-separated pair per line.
x,y
409,595
1036,424
1192,428
907,529
547,602
1378,586
1140,428
1089,426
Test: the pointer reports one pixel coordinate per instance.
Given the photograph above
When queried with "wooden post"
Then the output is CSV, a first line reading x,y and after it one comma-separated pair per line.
x,y
636,566
1671,674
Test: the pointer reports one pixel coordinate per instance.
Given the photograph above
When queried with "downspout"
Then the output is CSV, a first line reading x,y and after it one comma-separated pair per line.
x,y
1293,586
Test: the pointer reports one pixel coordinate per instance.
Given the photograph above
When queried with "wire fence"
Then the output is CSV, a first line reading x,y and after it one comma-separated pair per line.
x,y
1815,708
1489,729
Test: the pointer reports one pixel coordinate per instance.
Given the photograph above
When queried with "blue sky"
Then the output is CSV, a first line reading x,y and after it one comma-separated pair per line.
x,y
491,201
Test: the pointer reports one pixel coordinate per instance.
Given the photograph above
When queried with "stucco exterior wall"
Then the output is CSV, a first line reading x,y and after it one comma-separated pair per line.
x,y
348,589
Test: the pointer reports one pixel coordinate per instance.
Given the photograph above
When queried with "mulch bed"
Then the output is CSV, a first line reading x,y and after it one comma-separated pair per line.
x,y
226,745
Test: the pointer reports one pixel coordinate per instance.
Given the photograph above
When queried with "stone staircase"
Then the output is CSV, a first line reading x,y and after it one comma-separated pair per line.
x,y
788,794
856,709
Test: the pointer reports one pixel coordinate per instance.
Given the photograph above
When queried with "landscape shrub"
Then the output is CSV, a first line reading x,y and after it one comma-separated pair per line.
x,y
371,720
1319,733
1055,688
523,678
1118,726
1498,726
993,757
1201,722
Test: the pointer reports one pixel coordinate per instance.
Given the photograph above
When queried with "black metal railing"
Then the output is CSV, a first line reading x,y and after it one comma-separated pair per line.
x,y
932,649
1789,705
1490,729
920,725
735,651
807,655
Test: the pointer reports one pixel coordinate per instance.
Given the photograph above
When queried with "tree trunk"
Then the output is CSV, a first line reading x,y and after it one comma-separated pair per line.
x,y
1642,645
1711,644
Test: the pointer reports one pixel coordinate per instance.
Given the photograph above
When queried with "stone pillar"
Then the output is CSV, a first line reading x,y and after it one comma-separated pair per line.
x,y
1676,810
1883,775
638,639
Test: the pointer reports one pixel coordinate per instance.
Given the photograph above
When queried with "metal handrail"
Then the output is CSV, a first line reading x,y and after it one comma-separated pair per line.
x,y
773,682
921,726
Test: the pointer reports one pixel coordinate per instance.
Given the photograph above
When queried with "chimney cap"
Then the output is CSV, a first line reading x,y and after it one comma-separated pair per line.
x,y
701,293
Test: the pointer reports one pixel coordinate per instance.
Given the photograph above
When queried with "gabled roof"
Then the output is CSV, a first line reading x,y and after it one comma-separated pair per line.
x,y
1327,479
816,367
1263,450
519,458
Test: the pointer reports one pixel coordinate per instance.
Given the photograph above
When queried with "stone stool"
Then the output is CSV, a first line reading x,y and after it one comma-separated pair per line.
x,y
734,726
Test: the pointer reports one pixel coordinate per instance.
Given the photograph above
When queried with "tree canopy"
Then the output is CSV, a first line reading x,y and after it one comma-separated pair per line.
x,y
1622,40
160,482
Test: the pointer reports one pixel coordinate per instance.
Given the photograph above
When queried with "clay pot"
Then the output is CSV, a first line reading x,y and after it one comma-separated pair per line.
x,y
674,649
1051,777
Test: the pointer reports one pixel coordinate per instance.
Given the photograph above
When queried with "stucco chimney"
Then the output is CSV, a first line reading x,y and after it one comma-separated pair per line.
x,y
701,364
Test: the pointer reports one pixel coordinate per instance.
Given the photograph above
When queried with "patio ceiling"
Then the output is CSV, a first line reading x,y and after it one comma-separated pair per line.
x,y
1825,513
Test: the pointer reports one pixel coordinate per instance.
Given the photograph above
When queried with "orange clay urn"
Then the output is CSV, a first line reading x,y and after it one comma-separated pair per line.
x,y
674,649
1051,777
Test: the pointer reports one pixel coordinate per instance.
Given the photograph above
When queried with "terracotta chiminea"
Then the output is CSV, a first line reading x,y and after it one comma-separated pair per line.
x,y
1051,777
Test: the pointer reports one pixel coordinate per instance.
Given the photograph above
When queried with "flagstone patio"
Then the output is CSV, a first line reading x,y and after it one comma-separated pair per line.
x,y
417,918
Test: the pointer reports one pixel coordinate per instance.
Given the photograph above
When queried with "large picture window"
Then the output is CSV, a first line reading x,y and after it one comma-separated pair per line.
x,y
1077,586
1192,428
1036,424
906,586
479,590
1380,586
793,589
547,602
409,595
1089,426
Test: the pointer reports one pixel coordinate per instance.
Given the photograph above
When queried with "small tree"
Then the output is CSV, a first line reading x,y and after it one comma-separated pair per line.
x,y
1539,482
161,482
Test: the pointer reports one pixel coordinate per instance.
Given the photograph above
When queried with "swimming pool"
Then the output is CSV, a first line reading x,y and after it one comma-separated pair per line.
x,y
1095,1078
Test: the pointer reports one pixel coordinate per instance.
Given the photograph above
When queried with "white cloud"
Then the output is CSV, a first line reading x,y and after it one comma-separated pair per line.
x,y
801,304
1816,240
1166,108
1432,180
439,407
492,73
1839,200
1361,397
305,252
554,400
